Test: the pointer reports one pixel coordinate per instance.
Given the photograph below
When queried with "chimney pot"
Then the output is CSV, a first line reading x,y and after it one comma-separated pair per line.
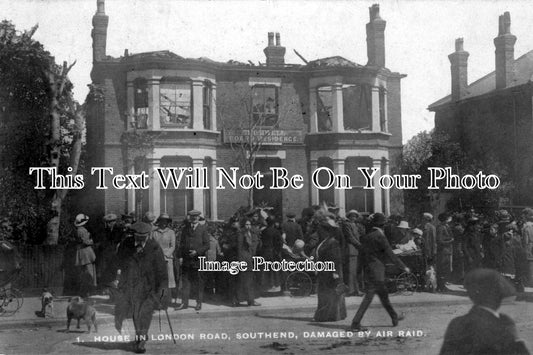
x,y
270,39
374,12
100,7
459,45
275,54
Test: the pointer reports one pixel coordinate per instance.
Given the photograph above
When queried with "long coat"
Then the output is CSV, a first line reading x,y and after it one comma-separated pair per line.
x,y
141,287
193,239
331,306
166,238
247,244
480,332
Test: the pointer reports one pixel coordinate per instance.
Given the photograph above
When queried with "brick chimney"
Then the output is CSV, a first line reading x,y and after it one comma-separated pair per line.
x,y
99,32
375,38
459,68
275,53
504,44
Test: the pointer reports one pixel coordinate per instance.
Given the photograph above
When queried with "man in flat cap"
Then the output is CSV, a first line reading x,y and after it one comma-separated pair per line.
x,y
194,243
142,287
484,330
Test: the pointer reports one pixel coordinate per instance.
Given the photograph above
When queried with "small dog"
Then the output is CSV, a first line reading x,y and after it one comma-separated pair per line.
x,y
431,279
78,309
47,304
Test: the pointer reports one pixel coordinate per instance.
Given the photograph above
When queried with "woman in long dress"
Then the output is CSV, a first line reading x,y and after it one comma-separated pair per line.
x,y
331,303
85,256
166,238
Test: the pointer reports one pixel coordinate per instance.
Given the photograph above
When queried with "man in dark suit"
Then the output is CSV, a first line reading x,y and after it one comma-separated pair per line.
x,y
142,285
483,330
194,243
375,250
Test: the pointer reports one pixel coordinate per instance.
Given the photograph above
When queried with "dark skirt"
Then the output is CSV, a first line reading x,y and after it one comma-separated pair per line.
x,y
331,307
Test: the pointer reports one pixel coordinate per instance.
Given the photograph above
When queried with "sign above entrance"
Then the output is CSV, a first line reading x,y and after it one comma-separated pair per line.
x,y
264,136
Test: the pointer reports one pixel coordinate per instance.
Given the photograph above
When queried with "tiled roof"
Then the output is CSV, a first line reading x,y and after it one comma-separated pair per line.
x,y
487,84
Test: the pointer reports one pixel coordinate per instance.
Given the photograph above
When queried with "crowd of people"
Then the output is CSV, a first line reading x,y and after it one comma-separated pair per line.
x,y
453,245
156,260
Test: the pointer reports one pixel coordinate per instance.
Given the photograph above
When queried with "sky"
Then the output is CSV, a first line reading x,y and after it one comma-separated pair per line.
x,y
418,38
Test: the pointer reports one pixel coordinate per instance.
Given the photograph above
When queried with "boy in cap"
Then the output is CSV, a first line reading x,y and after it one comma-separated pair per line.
x,y
143,286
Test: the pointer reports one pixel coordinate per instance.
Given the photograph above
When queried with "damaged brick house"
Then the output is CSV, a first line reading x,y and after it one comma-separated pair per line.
x,y
328,112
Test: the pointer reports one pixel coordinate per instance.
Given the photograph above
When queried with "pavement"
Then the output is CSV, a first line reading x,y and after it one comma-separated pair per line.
x,y
27,316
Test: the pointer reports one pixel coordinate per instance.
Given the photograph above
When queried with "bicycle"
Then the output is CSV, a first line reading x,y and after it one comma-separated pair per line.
x,y
11,299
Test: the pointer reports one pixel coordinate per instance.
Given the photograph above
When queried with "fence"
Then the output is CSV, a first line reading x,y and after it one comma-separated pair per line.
x,y
41,267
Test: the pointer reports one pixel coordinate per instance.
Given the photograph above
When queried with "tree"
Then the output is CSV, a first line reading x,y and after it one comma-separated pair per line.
x,y
436,149
249,116
41,125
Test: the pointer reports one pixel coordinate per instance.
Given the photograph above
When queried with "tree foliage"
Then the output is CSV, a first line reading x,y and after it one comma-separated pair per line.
x,y
30,96
436,149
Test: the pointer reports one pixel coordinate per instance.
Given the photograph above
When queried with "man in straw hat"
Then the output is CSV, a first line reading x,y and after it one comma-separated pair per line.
x,y
484,330
142,286
375,252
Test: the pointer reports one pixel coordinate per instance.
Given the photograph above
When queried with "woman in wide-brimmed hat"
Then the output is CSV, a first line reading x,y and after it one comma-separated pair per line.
x,y
331,303
166,238
85,257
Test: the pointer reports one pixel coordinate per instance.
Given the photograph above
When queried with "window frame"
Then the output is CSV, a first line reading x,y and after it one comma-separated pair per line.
x,y
176,81
276,106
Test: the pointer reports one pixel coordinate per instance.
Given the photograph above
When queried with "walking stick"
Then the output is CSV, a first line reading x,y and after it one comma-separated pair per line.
x,y
168,319
170,326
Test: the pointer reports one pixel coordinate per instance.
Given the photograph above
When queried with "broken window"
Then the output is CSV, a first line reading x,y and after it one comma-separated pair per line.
x,y
265,105
175,104
140,104
324,108
357,107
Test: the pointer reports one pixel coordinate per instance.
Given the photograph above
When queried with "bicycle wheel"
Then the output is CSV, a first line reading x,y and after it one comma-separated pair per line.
x,y
10,302
406,284
299,284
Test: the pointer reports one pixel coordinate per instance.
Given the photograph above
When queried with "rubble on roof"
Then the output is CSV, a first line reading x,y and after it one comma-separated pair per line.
x,y
335,61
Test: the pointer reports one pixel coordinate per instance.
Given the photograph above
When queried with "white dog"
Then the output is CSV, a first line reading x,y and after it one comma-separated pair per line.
x,y
47,304
431,279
